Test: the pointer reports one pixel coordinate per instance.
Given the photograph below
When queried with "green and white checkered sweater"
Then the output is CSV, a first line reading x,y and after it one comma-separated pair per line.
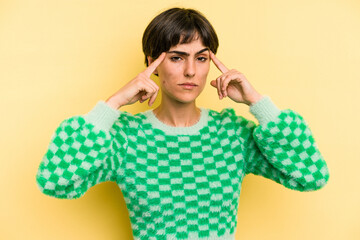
x,y
181,182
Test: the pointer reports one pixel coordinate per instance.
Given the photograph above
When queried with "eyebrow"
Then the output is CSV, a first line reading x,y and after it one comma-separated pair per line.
x,y
188,54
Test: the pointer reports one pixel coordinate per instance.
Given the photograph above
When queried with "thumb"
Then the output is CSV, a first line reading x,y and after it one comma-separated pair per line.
x,y
213,83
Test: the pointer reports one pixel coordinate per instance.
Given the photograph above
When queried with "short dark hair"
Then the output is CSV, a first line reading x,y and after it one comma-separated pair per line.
x,y
174,26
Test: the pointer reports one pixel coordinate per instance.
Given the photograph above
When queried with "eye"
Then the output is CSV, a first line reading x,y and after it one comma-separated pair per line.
x,y
175,59
202,59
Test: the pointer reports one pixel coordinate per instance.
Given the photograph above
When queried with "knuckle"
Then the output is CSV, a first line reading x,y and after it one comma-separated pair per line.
x,y
138,82
138,79
142,75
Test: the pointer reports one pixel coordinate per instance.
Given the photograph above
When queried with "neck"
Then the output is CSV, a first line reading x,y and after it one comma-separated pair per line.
x,y
178,114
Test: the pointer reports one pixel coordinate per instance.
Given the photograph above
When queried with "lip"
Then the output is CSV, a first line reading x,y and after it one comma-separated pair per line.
x,y
188,85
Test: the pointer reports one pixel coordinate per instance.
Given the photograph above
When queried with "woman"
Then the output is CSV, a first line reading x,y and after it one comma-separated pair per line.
x,y
180,167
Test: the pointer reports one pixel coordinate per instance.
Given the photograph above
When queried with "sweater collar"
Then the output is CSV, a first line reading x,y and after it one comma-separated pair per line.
x,y
171,130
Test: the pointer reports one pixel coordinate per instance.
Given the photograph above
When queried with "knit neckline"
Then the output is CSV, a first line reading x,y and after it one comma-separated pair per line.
x,y
191,130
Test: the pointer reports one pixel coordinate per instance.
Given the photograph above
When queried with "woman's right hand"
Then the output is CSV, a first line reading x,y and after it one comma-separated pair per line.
x,y
139,89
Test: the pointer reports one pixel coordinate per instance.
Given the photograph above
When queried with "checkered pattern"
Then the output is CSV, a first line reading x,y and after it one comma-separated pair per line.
x,y
181,186
293,158
74,161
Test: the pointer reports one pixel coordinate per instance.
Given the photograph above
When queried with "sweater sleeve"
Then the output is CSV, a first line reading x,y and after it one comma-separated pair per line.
x,y
282,148
82,152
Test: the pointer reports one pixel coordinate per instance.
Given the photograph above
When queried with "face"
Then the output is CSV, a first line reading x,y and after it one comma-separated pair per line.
x,y
184,71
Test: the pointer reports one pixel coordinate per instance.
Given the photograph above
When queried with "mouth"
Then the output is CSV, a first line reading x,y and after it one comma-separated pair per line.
x,y
188,85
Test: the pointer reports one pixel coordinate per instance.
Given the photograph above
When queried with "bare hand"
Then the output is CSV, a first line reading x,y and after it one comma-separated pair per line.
x,y
233,84
139,89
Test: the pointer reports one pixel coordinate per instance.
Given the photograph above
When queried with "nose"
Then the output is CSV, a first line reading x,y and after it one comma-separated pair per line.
x,y
190,68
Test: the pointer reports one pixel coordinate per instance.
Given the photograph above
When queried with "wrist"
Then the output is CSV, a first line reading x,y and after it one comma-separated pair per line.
x,y
254,99
113,103
264,110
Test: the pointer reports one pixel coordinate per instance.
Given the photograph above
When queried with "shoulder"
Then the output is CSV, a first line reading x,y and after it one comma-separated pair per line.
x,y
228,117
129,120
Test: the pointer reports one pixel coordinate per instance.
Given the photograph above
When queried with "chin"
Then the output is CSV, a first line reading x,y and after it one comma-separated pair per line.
x,y
185,99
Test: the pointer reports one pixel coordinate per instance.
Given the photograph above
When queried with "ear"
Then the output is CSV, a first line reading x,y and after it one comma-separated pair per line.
x,y
150,61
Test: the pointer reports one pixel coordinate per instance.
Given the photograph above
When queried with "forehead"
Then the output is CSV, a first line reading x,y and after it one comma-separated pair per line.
x,y
193,46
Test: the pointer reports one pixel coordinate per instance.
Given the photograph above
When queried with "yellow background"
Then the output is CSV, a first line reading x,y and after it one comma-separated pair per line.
x,y
58,58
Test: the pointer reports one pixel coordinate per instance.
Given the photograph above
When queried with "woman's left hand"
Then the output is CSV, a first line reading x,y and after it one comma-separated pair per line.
x,y
233,84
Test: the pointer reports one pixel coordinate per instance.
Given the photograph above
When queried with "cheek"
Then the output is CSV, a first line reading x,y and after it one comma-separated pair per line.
x,y
167,77
204,70
169,71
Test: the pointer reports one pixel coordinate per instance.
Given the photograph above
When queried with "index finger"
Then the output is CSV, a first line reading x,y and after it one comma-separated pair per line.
x,y
217,63
151,68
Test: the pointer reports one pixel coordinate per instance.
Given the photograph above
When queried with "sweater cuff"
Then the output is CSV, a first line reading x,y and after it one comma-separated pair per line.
x,y
264,110
102,116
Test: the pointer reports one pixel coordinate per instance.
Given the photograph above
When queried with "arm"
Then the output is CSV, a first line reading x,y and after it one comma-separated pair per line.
x,y
283,149
81,153
82,150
